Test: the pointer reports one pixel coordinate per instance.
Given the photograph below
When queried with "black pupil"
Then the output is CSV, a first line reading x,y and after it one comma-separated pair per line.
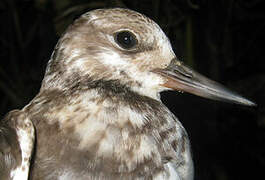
x,y
126,39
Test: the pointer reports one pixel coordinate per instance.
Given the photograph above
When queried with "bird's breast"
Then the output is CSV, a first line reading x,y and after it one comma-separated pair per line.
x,y
114,132
106,136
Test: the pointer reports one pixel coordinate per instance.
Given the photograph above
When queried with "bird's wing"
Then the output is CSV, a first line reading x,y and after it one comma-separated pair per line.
x,y
17,139
180,167
185,169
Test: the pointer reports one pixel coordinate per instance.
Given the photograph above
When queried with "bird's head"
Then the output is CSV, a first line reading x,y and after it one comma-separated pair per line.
x,y
127,47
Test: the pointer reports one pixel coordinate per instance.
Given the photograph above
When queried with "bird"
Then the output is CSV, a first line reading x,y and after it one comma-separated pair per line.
x,y
98,114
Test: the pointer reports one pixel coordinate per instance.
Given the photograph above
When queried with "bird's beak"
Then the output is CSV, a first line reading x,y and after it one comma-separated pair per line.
x,y
182,78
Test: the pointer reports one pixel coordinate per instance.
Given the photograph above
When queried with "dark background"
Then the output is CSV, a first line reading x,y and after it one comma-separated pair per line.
x,y
222,39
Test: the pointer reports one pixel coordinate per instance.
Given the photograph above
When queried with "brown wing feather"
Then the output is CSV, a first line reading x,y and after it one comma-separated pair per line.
x,y
16,146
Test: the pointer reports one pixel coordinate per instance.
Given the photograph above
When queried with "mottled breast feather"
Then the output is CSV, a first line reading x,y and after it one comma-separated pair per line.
x,y
110,132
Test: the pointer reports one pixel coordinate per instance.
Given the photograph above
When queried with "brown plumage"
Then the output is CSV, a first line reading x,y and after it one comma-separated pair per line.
x,y
98,114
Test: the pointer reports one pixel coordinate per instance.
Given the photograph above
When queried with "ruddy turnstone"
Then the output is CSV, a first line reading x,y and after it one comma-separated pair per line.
x,y
98,114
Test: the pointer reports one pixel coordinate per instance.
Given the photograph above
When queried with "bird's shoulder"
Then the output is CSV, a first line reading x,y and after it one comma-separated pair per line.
x,y
16,145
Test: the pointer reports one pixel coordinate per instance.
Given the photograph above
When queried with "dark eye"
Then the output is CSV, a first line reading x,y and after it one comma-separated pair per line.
x,y
125,39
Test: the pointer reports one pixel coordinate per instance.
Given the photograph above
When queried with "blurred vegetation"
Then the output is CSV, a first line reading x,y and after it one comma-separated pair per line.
x,y
222,39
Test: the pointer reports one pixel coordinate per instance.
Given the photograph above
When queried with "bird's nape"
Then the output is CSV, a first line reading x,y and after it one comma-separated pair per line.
x,y
182,78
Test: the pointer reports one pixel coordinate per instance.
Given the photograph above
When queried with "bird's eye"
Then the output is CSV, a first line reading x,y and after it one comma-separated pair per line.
x,y
125,39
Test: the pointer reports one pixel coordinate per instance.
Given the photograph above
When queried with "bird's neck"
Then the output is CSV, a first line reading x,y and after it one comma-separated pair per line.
x,y
108,80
